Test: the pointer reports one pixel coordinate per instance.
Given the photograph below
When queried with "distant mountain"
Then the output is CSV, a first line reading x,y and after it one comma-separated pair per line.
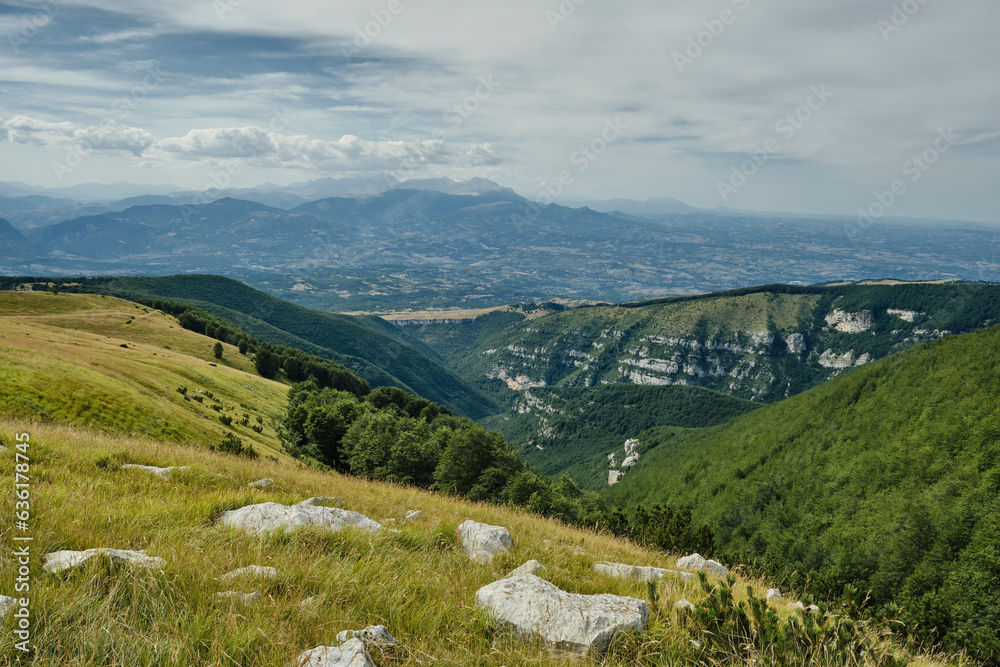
x,y
659,206
31,203
12,242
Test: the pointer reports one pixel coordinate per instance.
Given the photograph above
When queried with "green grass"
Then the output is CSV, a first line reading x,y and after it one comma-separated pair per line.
x,y
106,364
418,583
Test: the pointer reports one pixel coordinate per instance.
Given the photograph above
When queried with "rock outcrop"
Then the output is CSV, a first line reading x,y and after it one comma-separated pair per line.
x,y
482,541
162,473
565,621
850,322
376,635
773,595
265,517
696,562
642,573
249,572
261,483
323,501
684,605
58,561
796,343
351,653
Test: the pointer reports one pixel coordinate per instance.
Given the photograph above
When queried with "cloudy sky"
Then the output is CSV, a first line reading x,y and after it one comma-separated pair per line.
x,y
763,105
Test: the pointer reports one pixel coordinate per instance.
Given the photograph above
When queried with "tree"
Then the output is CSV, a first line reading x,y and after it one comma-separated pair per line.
x,y
218,350
266,362
243,345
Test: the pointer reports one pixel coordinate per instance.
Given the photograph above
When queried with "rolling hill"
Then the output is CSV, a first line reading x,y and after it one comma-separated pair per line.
x,y
358,343
887,479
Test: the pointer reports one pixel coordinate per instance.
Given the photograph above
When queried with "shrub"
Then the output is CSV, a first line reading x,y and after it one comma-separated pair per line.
x,y
233,445
226,420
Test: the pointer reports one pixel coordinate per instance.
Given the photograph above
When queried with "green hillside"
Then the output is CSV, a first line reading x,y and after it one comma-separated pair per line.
x,y
354,342
574,430
887,479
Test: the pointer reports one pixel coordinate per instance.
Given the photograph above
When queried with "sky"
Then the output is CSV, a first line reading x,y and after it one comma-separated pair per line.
x,y
876,107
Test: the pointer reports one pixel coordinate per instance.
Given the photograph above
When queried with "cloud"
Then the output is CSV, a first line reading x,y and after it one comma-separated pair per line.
x,y
251,145
264,147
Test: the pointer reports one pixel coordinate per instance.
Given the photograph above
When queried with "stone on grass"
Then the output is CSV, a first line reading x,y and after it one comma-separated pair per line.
x,y
413,515
373,634
5,604
684,605
798,606
265,517
531,567
261,483
696,562
773,595
482,541
259,571
561,620
320,501
622,571
58,561
162,473
351,653
236,596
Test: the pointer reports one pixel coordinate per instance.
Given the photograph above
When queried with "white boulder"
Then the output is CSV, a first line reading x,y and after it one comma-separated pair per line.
x,y
5,604
261,483
482,541
696,562
236,596
162,473
373,634
561,620
642,573
684,605
58,561
251,571
773,595
351,653
531,567
413,515
265,517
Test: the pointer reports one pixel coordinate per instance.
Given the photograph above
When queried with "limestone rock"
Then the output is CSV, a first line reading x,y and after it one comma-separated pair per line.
x,y
413,515
250,571
266,517
850,322
162,473
321,501
261,483
773,595
684,605
351,653
796,343
58,561
482,541
531,567
244,598
561,620
373,634
798,606
642,573
697,562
